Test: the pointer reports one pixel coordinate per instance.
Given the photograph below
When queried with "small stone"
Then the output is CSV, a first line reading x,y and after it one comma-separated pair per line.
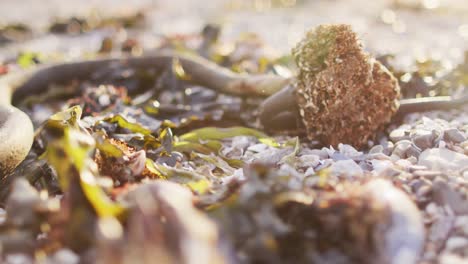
x,y
376,149
309,172
18,259
401,147
417,168
432,209
456,242
404,239
413,151
423,190
399,134
445,195
424,141
347,168
338,156
349,151
416,184
464,144
404,163
412,160
322,153
241,142
308,161
442,159
65,256
379,166
442,144
454,135
461,223
395,158
449,258
104,100
258,148
378,156
2,216
465,175
388,147
427,174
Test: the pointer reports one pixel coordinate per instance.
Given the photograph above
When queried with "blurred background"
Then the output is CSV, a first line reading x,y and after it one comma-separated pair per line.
x,y
420,29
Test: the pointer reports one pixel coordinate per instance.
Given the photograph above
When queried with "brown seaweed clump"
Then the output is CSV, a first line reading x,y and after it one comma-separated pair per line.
x,y
344,95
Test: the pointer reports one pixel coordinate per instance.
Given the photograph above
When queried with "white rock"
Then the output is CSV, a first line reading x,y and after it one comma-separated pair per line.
x,y
241,142
461,222
349,151
376,149
2,216
310,171
401,147
432,209
456,242
452,259
399,134
18,259
380,166
65,256
404,239
443,159
465,175
329,151
347,168
258,147
308,161
405,164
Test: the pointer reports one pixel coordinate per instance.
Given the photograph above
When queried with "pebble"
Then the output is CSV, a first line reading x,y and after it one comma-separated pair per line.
x,y
404,238
380,166
450,258
417,168
309,172
2,216
258,147
465,175
322,153
404,163
428,174
64,256
399,134
347,168
445,195
378,156
461,223
456,242
308,161
401,147
424,141
416,184
423,190
432,209
413,151
464,144
240,142
338,156
454,135
376,149
349,151
18,259
442,159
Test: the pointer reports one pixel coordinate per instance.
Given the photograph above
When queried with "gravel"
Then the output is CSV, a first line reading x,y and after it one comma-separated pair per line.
x,y
426,157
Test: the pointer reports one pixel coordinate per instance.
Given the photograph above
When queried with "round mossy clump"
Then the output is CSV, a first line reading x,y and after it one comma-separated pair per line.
x,y
344,95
